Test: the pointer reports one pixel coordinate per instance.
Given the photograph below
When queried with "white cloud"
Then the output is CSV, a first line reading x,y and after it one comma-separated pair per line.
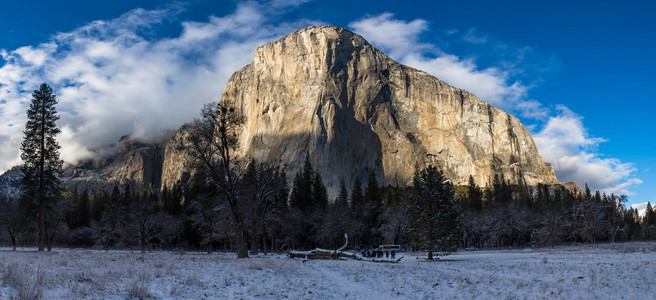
x,y
472,37
641,207
564,142
533,110
401,41
112,78
396,37
287,3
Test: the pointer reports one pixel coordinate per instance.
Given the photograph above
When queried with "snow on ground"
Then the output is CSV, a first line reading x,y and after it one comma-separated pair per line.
x,y
606,271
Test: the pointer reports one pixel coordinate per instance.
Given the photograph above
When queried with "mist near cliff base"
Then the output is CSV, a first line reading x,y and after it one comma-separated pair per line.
x,y
112,79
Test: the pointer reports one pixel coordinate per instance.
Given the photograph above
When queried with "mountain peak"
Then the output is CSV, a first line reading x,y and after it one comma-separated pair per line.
x,y
325,91
325,32
314,45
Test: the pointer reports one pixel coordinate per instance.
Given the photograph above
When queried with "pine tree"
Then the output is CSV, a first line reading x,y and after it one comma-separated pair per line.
x,y
40,155
356,194
650,216
319,192
127,195
588,194
342,197
372,193
302,196
83,210
497,189
115,198
434,212
475,195
97,205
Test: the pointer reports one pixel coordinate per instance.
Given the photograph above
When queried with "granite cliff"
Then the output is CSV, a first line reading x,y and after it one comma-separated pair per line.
x,y
135,163
326,92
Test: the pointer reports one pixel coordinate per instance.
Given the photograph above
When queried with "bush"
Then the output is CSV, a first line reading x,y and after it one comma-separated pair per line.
x,y
82,237
138,290
18,277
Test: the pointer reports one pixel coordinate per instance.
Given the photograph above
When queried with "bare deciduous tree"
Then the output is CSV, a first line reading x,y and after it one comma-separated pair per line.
x,y
9,218
209,217
211,141
264,191
144,223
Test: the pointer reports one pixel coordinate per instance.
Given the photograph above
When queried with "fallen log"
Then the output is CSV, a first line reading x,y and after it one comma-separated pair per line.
x,y
378,260
337,254
320,254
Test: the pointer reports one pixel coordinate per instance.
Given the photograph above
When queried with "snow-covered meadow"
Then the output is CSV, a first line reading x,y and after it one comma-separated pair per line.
x,y
608,271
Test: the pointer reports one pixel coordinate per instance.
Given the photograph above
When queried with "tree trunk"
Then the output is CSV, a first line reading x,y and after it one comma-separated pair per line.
x,y
242,244
49,240
209,251
264,249
143,245
13,242
42,224
51,237
253,244
430,253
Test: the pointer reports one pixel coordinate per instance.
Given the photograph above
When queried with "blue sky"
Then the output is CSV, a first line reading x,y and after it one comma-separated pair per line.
x,y
579,74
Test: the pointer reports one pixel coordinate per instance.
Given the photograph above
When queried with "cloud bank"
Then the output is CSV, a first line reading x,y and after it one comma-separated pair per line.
x,y
112,79
565,143
401,40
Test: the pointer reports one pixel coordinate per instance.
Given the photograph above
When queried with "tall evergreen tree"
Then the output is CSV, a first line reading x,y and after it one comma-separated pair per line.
x,y
650,216
127,195
356,194
475,195
83,209
588,194
342,197
502,190
301,195
434,212
319,192
40,155
524,193
597,196
372,193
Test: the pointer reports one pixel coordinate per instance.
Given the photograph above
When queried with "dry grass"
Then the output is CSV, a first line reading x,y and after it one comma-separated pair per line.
x,y
138,290
27,284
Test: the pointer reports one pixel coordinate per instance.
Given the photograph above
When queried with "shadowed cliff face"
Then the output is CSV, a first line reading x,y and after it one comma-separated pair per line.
x,y
135,163
139,165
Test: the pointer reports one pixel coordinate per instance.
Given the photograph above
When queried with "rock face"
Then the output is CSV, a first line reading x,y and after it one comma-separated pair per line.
x,y
178,163
135,163
326,92
138,164
10,183
573,188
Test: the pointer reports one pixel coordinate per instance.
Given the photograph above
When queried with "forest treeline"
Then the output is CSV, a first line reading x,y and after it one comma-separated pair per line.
x,y
279,216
